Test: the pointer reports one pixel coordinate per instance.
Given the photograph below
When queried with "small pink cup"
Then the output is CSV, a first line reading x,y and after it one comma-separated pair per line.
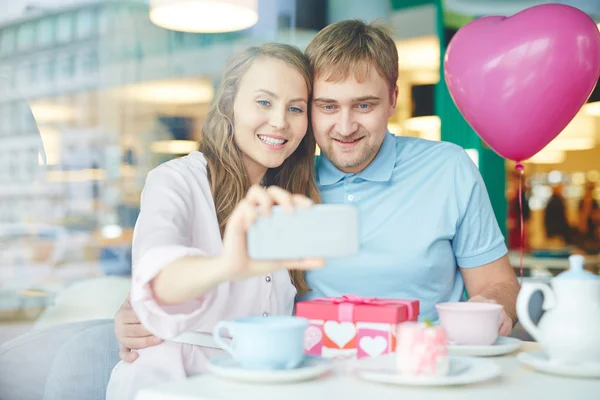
x,y
470,324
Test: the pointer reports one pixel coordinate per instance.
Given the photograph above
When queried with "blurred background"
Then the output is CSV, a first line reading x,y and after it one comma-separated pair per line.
x,y
96,93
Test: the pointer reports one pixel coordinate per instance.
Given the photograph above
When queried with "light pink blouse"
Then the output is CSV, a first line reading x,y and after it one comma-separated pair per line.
x,y
178,219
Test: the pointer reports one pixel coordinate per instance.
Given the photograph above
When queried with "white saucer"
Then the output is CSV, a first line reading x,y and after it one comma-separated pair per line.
x,y
539,360
311,368
503,345
463,371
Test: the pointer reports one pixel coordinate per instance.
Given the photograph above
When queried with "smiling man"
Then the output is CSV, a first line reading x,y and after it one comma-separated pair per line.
x,y
427,226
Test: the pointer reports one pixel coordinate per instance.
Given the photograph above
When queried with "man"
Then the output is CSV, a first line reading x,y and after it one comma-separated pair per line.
x,y
427,226
423,205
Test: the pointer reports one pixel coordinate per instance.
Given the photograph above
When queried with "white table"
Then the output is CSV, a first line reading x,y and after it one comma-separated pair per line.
x,y
517,382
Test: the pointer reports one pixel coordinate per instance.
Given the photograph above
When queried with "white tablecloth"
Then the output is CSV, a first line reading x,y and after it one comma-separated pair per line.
x,y
517,382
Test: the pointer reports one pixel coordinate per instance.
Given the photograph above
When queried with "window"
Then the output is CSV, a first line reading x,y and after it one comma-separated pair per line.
x,y
86,23
6,75
50,69
46,32
179,39
104,20
4,120
22,75
15,119
65,28
26,38
90,62
7,43
68,67
33,72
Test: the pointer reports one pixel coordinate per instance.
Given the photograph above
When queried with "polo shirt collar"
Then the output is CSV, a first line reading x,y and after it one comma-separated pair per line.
x,y
379,170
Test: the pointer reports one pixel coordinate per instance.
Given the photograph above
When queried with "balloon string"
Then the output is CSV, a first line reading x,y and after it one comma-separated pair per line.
x,y
522,225
519,167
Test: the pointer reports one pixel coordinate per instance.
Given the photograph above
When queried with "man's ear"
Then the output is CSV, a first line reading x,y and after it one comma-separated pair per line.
x,y
394,102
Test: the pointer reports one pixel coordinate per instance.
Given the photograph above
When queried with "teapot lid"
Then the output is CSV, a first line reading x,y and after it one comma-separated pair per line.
x,y
576,270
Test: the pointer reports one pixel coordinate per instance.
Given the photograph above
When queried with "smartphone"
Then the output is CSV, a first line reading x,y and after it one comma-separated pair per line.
x,y
323,230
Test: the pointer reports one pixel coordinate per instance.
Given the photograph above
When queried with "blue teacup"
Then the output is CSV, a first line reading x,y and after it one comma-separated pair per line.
x,y
266,343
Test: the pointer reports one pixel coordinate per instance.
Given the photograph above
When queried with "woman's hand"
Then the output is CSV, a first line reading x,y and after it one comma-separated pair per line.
x,y
235,251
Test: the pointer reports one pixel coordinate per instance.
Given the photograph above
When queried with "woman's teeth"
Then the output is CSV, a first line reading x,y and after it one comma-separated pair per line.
x,y
271,141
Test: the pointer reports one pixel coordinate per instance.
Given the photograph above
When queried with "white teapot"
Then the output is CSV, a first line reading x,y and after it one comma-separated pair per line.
x,y
569,331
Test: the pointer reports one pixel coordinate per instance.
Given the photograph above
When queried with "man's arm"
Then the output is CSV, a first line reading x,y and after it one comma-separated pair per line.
x,y
131,334
497,282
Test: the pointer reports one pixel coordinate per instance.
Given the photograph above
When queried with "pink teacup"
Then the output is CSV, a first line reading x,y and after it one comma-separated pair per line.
x,y
471,324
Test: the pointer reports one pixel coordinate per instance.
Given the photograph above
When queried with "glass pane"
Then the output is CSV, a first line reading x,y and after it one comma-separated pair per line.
x,y
90,62
4,121
7,44
67,68
49,69
26,37
33,72
65,28
105,20
46,31
86,23
22,74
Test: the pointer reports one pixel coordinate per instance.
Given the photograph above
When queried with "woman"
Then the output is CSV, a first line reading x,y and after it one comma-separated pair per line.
x,y
191,267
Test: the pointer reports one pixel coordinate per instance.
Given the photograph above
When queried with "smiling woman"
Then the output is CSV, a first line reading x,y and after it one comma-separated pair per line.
x,y
264,94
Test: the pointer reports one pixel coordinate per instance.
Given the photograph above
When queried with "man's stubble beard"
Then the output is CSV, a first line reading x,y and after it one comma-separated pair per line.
x,y
364,155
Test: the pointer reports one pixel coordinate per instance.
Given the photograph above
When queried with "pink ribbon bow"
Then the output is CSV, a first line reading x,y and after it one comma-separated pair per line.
x,y
348,301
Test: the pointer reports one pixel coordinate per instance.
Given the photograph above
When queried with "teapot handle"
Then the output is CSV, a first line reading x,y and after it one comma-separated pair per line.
x,y
527,290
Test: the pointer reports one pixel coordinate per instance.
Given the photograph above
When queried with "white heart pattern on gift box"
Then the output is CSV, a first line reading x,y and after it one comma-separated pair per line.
x,y
340,333
312,337
373,346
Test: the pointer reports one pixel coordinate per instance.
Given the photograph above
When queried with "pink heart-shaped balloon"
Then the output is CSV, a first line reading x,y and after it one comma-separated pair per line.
x,y
520,80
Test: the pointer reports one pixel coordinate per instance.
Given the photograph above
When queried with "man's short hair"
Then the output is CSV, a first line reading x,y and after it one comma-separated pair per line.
x,y
353,47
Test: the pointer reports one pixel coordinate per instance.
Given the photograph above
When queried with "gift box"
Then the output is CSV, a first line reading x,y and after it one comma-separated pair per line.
x,y
353,326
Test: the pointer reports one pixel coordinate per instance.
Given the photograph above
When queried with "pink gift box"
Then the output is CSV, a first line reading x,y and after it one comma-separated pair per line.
x,y
353,326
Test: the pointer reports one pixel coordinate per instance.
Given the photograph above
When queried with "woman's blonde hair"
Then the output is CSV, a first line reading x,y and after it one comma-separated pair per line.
x,y
226,171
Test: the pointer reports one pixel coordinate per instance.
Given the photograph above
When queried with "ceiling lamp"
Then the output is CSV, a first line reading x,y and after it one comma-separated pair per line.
x,y
204,16
580,134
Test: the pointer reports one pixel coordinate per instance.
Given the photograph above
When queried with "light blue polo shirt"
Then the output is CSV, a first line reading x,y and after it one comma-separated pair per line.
x,y
424,210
